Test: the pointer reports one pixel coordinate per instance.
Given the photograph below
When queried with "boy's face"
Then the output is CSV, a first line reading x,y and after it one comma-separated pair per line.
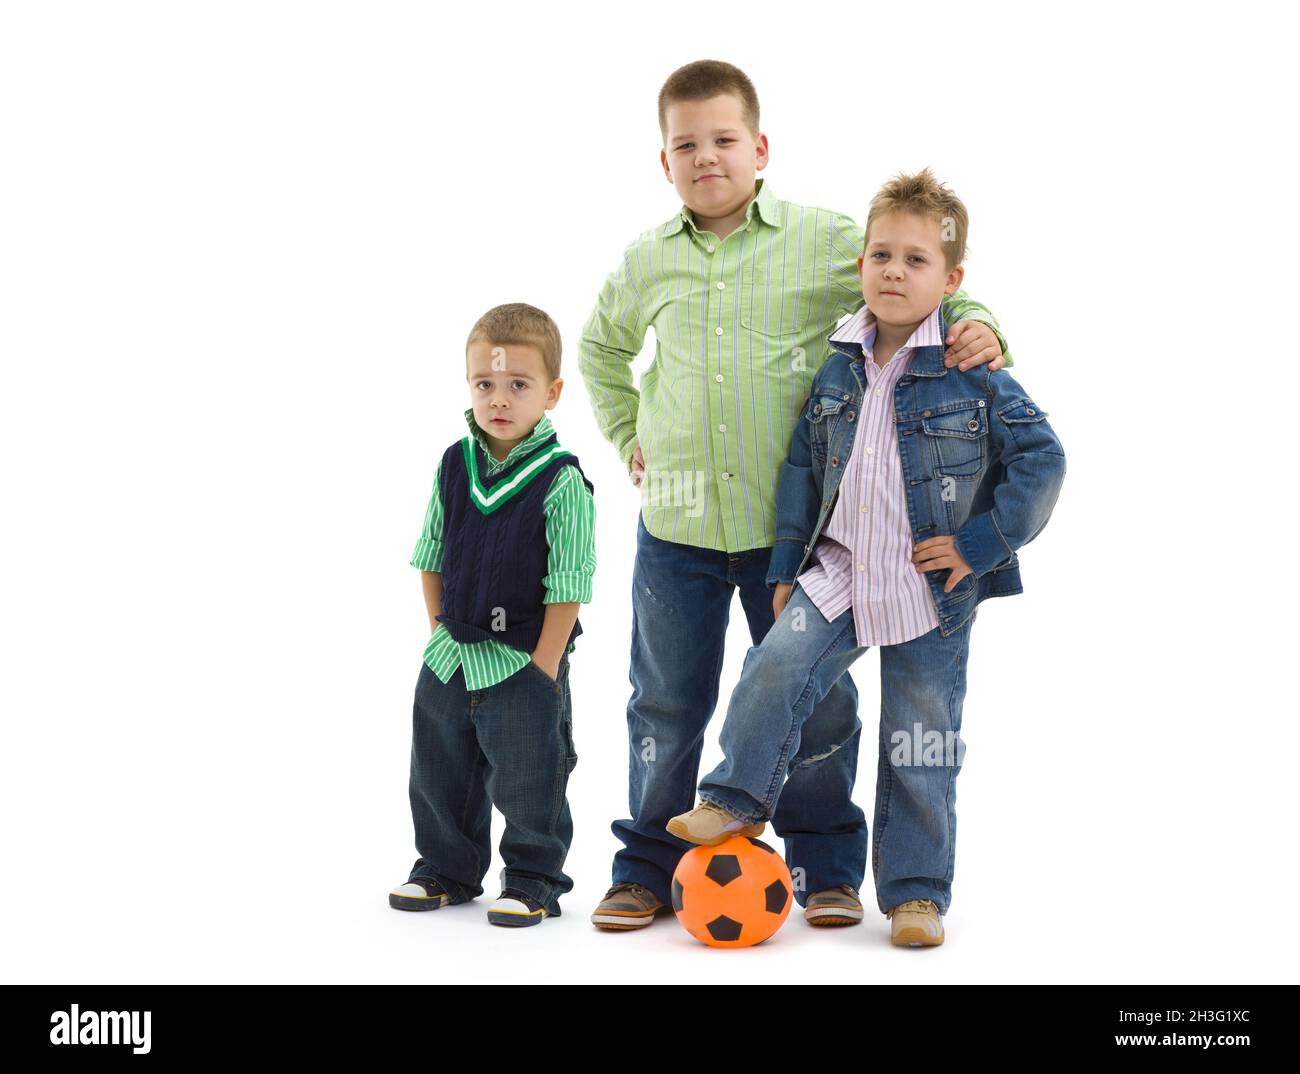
x,y
509,389
904,275
710,156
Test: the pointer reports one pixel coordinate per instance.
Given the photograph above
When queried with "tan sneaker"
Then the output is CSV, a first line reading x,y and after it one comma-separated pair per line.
x,y
708,825
626,907
916,923
835,906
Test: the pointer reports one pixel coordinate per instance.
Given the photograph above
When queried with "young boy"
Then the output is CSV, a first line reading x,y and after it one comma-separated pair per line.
x,y
741,290
908,489
506,556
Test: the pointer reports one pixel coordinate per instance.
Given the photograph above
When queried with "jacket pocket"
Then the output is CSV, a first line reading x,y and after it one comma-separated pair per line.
x,y
823,413
957,435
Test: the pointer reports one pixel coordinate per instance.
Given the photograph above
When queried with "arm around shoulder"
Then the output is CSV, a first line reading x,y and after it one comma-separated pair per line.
x,y
959,306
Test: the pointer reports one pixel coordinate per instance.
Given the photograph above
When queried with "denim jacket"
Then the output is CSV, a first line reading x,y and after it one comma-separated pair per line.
x,y
979,462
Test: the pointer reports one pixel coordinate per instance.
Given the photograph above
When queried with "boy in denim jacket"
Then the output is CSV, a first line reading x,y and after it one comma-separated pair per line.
x,y
908,489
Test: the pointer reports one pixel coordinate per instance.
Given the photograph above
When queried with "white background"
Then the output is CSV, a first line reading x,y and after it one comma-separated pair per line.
x,y
241,247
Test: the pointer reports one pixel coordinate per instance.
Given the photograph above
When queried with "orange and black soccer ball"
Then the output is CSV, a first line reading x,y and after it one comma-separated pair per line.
x,y
735,894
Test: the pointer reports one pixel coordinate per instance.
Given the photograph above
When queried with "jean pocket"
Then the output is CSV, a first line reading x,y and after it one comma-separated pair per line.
x,y
536,669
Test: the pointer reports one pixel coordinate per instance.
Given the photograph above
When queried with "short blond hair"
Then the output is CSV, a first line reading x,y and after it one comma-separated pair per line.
x,y
924,195
520,323
705,79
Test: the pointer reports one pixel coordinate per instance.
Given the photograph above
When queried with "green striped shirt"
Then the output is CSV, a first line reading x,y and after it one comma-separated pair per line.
x,y
570,562
740,329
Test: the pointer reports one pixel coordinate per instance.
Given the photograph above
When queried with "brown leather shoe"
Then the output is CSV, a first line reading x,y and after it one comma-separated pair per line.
x,y
835,906
626,907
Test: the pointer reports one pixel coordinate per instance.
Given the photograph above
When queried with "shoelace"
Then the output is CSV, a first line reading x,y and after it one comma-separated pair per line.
x,y
918,905
729,817
527,900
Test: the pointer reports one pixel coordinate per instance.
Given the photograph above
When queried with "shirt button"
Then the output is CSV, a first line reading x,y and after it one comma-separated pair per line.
x,y
717,331
726,476
871,451
863,508
708,249
722,428
717,377
877,391
862,566
721,285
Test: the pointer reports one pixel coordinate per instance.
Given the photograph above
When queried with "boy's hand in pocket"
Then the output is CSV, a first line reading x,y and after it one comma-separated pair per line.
x,y
936,554
780,597
550,666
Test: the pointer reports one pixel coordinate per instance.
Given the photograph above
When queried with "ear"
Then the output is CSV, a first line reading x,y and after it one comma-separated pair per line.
x,y
553,395
663,159
761,154
955,276
860,260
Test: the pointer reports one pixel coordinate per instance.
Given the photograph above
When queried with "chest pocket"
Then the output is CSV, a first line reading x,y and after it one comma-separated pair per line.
x,y
825,409
770,308
958,438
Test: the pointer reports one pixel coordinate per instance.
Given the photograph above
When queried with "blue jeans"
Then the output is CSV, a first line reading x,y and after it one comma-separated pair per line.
x,y
509,745
681,602
922,687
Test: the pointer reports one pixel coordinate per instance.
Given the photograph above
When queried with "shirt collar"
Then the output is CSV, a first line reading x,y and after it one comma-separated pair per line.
x,y
540,432
859,332
763,204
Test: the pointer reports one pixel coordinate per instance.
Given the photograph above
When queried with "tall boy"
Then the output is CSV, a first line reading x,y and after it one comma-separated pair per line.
x,y
908,489
741,289
506,556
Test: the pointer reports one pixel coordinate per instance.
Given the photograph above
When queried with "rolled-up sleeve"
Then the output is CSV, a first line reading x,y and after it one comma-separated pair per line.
x,y
428,549
570,513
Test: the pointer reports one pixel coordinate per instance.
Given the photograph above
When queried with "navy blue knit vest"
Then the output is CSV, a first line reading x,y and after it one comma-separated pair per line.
x,y
494,543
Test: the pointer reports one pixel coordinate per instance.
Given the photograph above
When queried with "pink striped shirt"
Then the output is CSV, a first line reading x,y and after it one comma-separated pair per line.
x,y
863,558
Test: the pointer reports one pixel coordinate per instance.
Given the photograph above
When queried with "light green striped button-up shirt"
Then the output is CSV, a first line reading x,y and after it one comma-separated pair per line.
x,y
570,562
740,329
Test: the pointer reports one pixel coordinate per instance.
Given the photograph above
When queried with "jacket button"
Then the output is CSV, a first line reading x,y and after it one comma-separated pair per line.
x,y
849,415
981,402
1030,411
817,408
973,425
835,461
925,413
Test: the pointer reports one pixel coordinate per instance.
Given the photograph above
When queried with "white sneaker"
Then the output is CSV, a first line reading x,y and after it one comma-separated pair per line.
x,y
514,909
420,894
